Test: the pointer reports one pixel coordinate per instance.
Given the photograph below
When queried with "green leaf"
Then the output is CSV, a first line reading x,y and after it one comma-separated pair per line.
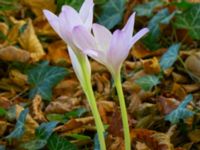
x,y
147,8
79,136
45,130
147,82
65,117
2,112
190,20
58,143
112,13
180,112
168,59
43,78
184,4
162,17
34,144
76,113
19,128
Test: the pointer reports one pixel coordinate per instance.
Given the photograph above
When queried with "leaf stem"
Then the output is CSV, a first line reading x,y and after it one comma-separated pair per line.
x,y
91,99
118,85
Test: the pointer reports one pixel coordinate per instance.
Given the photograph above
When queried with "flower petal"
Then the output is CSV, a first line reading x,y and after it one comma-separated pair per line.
x,y
53,20
102,36
86,13
83,38
70,17
137,36
77,66
118,49
128,28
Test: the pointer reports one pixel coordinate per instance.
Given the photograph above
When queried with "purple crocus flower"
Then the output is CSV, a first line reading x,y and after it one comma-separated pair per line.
x,y
107,48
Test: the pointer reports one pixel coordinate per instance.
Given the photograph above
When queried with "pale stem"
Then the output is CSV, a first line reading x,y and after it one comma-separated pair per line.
x,y
92,101
118,85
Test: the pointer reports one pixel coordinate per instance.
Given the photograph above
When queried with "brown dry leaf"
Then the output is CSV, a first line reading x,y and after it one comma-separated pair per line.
x,y
97,67
37,6
192,64
191,87
151,66
141,146
74,124
179,78
178,90
3,29
18,78
194,135
62,105
42,27
166,105
115,143
29,41
12,53
30,125
138,51
5,102
3,127
37,109
154,140
104,108
57,53
67,87
135,102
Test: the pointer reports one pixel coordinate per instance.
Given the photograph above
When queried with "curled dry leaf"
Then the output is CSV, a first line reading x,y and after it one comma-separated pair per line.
x,y
62,105
179,78
12,53
178,90
30,125
18,78
192,64
151,66
154,140
104,108
29,41
75,125
57,53
135,102
97,67
115,143
37,109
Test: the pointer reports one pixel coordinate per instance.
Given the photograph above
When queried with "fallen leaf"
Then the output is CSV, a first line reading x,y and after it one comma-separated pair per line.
x,y
151,66
37,109
38,5
30,125
18,78
62,105
3,127
12,53
57,53
29,41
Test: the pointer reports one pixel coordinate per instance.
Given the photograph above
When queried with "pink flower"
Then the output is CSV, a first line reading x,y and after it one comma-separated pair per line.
x,y
105,47
69,18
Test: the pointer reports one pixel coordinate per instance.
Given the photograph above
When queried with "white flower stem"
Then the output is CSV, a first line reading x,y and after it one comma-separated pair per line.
x,y
92,101
118,85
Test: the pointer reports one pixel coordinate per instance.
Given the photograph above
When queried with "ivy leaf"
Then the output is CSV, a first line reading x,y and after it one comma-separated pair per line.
x,y
45,130
168,59
147,82
65,117
58,143
180,112
34,144
43,78
112,13
162,17
147,8
79,136
19,128
190,20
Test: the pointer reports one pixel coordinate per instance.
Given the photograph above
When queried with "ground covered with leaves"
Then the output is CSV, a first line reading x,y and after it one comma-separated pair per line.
x,y
42,105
